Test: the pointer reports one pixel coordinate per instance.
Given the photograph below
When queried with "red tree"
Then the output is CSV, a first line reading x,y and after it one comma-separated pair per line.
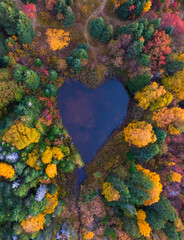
x,y
158,48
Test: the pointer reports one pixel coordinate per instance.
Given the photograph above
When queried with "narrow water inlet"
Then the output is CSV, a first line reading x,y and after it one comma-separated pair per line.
x,y
90,116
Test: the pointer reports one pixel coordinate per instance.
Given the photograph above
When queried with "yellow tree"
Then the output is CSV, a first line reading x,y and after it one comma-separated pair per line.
x,y
157,186
21,136
166,117
153,97
57,38
175,83
111,194
144,227
139,133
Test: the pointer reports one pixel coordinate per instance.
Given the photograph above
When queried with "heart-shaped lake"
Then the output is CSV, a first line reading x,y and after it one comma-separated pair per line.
x,y
90,116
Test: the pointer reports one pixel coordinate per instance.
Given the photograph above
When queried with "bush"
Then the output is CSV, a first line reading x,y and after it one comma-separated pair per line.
x,y
139,82
174,67
4,61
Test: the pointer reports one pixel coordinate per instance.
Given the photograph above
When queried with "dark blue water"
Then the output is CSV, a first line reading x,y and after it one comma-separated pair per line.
x,y
90,116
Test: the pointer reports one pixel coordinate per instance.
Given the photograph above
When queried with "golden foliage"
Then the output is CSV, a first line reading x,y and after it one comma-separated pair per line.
x,y
51,170
50,153
52,202
88,235
157,186
33,224
153,96
147,6
173,130
139,133
144,227
175,83
20,136
117,3
57,38
57,153
176,177
6,170
47,155
166,116
32,160
111,194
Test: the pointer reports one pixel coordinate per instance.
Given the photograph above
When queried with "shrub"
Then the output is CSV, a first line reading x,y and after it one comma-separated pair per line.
x,y
138,83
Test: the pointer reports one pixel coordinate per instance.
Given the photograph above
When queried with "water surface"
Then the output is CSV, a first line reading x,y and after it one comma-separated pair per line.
x,y
90,116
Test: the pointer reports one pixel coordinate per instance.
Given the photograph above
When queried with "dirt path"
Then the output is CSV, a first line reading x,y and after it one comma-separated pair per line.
x,y
86,33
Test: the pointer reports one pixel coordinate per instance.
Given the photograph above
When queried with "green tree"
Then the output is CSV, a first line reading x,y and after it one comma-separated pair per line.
x,y
146,153
135,49
139,82
50,90
69,18
97,27
107,34
25,32
53,75
32,80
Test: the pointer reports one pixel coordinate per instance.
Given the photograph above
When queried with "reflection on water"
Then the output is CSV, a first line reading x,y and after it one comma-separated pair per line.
x,y
90,116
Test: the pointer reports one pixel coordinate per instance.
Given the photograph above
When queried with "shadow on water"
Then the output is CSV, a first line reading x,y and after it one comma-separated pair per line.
x,y
90,116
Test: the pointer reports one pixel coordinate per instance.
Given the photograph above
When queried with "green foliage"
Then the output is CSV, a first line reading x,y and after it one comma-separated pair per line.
x,y
135,49
3,46
124,12
36,207
74,64
19,72
4,61
155,23
53,75
109,232
62,7
69,18
169,30
139,82
107,34
79,53
148,32
171,232
32,80
83,46
143,59
97,27
146,153
15,22
174,67
22,190
131,227
160,134
38,62
50,90
25,32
